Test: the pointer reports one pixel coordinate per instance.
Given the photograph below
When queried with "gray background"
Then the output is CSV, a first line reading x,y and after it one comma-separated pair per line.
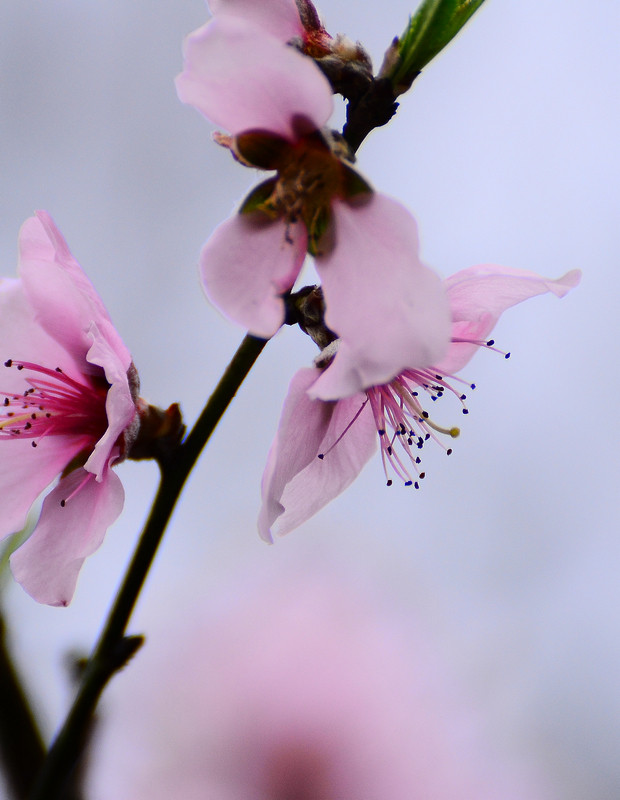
x,y
506,152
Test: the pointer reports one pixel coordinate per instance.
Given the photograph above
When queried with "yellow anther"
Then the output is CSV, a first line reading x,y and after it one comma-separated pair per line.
x,y
14,420
453,432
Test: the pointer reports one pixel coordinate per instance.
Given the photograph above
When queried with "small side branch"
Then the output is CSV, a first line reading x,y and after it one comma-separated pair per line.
x,y
21,745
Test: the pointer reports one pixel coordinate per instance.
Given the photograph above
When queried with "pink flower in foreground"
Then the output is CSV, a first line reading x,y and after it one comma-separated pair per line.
x,y
275,102
279,18
68,390
295,22
303,690
321,447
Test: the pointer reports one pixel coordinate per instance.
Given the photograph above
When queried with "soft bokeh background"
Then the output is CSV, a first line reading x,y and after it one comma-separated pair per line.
x,y
506,152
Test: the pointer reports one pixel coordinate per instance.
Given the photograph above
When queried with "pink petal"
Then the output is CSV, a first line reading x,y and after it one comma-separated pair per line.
x,y
22,338
389,310
246,265
279,18
296,483
120,406
25,471
48,563
64,300
479,295
242,79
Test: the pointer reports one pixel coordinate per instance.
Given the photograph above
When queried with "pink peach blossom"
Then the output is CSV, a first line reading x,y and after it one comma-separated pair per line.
x,y
275,102
69,409
321,447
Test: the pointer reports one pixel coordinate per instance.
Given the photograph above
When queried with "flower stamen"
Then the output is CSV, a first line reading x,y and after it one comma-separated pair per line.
x,y
87,477
396,408
53,405
331,447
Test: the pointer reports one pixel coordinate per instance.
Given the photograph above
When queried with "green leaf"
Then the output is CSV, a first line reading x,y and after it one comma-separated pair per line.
x,y
319,230
353,183
257,198
433,26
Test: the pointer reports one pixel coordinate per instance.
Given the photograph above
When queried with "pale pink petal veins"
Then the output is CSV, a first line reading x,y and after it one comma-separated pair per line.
x,y
64,300
297,483
479,295
242,79
246,265
279,18
48,563
389,310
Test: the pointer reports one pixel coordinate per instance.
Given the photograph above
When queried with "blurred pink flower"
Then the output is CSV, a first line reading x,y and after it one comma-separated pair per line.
x,y
321,447
275,102
69,409
303,690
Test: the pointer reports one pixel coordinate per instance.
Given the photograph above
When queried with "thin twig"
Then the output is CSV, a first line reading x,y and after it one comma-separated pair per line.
x,y
21,745
114,649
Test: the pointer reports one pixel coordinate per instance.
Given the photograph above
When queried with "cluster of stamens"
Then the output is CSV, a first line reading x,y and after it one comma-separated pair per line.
x,y
53,405
403,425
311,171
306,185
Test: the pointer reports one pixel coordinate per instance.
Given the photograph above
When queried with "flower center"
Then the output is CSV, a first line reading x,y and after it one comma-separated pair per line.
x,y
311,171
307,180
309,176
53,405
403,425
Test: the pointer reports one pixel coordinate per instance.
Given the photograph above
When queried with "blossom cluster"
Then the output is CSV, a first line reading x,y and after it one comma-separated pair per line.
x,y
392,334
395,333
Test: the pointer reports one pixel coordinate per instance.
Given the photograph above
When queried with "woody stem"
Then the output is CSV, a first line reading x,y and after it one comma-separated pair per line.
x,y
114,648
